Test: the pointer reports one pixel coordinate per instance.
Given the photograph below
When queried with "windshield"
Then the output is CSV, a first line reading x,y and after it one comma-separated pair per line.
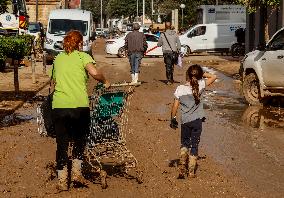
x,y
62,26
33,28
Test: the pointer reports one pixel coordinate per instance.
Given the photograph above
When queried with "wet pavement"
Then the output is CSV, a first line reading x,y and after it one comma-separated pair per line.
x,y
247,140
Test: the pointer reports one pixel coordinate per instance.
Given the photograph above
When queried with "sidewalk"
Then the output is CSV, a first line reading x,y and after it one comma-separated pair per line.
x,y
9,102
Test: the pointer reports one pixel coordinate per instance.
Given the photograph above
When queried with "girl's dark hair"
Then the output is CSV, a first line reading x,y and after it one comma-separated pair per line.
x,y
193,74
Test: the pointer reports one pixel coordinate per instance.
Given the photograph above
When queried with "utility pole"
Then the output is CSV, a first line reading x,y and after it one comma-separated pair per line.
x,y
102,15
282,12
143,16
137,8
152,6
36,10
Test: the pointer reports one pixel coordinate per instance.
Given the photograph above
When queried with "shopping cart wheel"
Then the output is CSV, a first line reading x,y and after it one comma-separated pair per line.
x,y
103,176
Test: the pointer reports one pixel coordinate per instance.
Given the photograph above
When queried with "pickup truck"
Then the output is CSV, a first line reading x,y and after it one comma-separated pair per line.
x,y
262,71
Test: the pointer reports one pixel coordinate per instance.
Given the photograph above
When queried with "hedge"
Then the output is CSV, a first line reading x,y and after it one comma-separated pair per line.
x,y
16,47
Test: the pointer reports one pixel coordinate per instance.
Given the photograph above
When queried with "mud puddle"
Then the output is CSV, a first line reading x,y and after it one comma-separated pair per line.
x,y
225,98
247,140
14,119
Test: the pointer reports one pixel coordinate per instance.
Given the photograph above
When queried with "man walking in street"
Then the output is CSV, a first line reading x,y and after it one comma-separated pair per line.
x,y
170,43
136,45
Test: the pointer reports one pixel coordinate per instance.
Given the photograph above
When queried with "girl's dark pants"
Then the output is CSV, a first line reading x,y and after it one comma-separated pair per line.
x,y
71,125
190,135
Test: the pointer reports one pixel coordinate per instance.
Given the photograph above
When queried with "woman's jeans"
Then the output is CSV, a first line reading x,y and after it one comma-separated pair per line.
x,y
135,60
190,135
71,125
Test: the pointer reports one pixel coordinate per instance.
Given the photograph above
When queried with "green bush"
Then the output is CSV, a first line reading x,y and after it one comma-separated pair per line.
x,y
16,47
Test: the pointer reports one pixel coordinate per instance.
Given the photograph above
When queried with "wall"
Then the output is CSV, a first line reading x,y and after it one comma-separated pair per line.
x,y
44,7
255,30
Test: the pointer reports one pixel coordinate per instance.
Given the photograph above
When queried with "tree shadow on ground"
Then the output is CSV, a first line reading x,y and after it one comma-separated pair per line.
x,y
12,96
8,98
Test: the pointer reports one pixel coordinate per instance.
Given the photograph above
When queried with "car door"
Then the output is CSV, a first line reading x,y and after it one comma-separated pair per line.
x,y
153,49
198,38
272,62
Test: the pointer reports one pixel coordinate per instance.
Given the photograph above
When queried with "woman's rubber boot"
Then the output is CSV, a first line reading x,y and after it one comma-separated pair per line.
x,y
76,173
192,166
62,176
183,163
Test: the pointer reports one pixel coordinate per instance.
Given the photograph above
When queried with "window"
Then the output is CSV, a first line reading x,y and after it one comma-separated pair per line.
x,y
278,41
34,28
62,26
151,38
201,30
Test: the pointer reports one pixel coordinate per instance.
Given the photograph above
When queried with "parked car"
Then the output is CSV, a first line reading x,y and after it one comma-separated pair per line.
x,y
116,46
36,29
99,32
262,71
210,37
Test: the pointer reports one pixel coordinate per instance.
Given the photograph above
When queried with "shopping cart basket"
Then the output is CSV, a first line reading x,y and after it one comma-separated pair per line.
x,y
106,142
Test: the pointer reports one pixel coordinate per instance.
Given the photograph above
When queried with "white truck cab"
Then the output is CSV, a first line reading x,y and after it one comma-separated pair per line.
x,y
60,22
262,71
210,37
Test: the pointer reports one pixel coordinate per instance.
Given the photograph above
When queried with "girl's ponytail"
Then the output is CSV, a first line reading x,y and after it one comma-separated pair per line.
x,y
193,74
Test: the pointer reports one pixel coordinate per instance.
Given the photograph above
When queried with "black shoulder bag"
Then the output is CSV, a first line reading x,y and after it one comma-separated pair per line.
x,y
174,54
45,122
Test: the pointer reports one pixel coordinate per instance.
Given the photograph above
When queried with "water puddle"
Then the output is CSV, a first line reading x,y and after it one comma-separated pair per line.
x,y
263,117
14,119
225,98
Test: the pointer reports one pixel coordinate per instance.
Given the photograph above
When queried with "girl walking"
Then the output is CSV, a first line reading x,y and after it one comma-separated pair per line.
x,y
190,98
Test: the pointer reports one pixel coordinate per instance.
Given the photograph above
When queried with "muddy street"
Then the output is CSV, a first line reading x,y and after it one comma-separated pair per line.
x,y
241,151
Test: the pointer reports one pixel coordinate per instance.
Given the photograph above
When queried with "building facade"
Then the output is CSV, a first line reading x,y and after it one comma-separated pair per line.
x,y
262,24
44,7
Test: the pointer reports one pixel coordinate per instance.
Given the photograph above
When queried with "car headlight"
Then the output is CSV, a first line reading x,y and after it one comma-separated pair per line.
x,y
48,41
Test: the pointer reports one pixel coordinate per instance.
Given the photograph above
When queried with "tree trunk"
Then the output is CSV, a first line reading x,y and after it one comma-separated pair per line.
x,y
16,77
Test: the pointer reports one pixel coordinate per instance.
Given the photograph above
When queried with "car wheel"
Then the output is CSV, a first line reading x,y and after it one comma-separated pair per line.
x,y
187,51
252,116
251,89
121,52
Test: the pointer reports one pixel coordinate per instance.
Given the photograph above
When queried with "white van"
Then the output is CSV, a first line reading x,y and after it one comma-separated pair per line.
x,y
210,37
60,22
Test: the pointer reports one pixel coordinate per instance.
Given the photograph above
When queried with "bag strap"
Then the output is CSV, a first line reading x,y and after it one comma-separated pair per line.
x,y
51,77
168,41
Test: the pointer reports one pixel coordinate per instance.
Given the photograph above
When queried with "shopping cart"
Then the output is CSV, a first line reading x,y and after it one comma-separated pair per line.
x,y
106,142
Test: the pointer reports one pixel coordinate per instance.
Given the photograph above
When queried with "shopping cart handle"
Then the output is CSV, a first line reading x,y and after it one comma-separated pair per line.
x,y
99,86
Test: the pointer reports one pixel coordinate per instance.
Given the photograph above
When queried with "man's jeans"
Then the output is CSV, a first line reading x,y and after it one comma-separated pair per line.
x,y
169,63
135,60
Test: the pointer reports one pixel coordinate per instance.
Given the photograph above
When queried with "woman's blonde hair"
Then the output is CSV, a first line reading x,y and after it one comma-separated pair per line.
x,y
72,41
